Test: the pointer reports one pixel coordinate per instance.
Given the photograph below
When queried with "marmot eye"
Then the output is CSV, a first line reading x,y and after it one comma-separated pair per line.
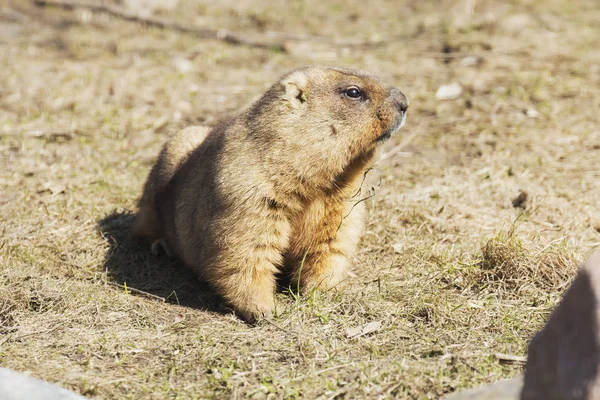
x,y
353,92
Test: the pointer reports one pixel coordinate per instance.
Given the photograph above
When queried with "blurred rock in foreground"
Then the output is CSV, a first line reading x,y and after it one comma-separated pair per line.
x,y
564,357
506,389
17,386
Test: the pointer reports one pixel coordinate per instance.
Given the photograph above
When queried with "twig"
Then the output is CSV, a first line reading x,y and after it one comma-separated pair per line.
x,y
322,371
359,200
272,40
352,208
510,359
361,183
224,35
45,134
134,290
338,393
50,135
276,325
549,245
30,333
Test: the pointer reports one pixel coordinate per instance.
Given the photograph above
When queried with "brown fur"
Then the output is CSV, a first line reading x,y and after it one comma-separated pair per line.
x,y
274,189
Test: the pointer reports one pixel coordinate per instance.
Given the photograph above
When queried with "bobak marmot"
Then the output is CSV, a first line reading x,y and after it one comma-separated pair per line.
x,y
274,189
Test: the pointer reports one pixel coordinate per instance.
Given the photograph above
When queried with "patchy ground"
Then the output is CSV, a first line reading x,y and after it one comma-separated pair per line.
x,y
484,205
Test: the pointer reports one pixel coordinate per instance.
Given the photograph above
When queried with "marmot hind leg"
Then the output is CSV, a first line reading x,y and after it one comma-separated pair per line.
x,y
146,226
161,246
175,151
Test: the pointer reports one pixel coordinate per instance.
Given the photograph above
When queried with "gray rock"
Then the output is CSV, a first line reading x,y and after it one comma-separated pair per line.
x,y
564,357
506,389
17,386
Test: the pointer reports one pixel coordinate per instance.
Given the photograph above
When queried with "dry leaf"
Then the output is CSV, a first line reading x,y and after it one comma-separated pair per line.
x,y
364,330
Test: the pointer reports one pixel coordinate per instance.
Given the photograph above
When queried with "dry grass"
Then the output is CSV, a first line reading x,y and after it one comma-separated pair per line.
x,y
507,262
451,265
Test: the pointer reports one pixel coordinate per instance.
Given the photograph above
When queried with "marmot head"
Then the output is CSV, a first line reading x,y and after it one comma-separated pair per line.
x,y
329,116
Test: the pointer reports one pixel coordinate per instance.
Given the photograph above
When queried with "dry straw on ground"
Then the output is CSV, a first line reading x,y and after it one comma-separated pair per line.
x,y
451,270
507,262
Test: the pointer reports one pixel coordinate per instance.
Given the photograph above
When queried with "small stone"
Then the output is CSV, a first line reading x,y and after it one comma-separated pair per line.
x,y
532,113
521,200
471,61
449,92
183,65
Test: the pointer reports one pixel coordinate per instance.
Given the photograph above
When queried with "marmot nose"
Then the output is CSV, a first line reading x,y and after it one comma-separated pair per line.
x,y
403,106
400,99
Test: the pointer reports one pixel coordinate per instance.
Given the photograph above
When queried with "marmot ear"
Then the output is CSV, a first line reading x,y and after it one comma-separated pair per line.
x,y
295,89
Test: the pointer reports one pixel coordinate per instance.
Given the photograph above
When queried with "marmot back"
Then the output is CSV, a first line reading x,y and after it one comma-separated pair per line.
x,y
273,190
